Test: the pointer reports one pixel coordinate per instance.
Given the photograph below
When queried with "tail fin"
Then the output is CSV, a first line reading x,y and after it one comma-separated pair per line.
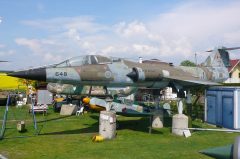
x,y
218,58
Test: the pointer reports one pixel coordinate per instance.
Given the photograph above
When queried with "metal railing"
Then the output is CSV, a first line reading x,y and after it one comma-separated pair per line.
x,y
4,119
4,122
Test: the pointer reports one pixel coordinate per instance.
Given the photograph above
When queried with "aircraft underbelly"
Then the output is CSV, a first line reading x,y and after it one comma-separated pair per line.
x,y
161,84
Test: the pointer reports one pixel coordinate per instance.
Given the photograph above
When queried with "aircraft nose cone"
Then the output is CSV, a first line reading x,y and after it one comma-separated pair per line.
x,y
38,74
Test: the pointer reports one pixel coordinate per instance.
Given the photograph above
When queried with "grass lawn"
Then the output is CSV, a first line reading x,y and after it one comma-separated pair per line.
x,y
70,137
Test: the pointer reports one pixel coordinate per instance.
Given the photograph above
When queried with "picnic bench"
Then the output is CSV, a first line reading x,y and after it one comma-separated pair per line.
x,y
42,108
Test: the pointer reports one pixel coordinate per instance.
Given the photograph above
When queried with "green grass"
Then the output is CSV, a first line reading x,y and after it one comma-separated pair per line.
x,y
70,137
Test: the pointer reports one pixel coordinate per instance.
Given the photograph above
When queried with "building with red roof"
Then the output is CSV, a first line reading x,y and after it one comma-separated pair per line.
x,y
234,71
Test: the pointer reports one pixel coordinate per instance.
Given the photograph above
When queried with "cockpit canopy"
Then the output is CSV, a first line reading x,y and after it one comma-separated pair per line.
x,y
88,59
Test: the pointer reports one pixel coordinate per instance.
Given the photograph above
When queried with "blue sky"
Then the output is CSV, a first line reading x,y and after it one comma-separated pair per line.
x,y
34,33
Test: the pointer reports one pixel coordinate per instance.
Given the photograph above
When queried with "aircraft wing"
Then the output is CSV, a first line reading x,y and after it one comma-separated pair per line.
x,y
209,83
191,81
134,114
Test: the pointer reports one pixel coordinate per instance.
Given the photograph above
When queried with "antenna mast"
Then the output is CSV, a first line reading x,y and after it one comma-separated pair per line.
x,y
196,64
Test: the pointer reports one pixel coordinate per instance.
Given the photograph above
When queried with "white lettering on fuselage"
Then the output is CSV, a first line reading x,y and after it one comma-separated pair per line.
x,y
60,73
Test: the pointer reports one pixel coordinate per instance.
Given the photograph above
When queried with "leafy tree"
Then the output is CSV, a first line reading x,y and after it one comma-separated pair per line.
x,y
27,83
187,63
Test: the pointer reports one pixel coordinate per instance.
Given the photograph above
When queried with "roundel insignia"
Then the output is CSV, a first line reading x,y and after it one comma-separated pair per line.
x,y
108,74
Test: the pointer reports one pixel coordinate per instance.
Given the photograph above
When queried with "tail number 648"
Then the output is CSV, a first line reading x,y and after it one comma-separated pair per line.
x,y
60,73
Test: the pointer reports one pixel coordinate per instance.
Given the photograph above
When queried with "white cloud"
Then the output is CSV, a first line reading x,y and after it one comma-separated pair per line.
x,y
33,44
132,29
83,24
201,24
7,53
108,49
2,46
145,49
173,36
42,48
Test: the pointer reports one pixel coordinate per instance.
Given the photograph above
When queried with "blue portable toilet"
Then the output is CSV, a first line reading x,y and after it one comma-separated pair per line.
x,y
222,106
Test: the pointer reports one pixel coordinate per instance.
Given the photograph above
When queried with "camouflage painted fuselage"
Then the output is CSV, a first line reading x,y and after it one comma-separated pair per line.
x,y
122,73
110,74
97,70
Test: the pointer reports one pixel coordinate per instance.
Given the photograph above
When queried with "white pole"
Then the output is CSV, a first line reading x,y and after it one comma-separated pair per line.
x,y
220,130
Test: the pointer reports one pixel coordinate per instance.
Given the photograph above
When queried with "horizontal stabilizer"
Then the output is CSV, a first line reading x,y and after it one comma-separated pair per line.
x,y
224,48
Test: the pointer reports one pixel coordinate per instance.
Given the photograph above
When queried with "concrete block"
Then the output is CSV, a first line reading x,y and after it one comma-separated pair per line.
x,y
158,119
21,126
179,123
107,124
68,109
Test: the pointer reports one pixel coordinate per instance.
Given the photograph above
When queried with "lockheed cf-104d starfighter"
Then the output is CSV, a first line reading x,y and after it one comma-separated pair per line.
x,y
97,70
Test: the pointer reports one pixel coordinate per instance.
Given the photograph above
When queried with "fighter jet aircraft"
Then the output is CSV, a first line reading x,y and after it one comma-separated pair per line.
x,y
97,70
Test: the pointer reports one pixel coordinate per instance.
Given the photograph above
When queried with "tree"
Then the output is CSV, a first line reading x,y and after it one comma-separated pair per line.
x,y
187,63
27,83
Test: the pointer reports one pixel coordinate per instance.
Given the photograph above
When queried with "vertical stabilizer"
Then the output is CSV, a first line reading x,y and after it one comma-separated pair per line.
x,y
219,57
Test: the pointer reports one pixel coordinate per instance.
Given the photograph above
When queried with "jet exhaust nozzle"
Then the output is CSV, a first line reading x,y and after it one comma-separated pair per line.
x,y
133,75
137,74
151,74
